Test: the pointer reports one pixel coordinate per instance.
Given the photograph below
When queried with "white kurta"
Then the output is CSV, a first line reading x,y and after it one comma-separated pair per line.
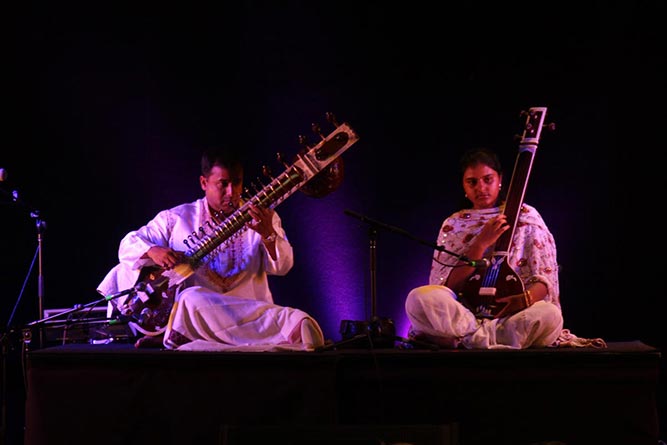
x,y
227,300
434,309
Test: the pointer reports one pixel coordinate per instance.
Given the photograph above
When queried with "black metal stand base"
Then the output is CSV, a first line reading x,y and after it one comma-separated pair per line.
x,y
378,333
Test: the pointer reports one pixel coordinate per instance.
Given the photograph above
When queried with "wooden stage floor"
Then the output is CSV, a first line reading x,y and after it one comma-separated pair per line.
x,y
115,394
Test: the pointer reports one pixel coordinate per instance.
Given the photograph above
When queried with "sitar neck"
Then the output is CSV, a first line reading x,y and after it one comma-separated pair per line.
x,y
270,196
306,167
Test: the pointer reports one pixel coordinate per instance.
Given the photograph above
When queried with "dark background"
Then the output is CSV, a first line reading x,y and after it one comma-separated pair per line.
x,y
106,111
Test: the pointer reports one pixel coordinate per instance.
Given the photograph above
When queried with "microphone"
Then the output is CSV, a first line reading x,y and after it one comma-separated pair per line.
x,y
119,294
479,263
139,287
119,319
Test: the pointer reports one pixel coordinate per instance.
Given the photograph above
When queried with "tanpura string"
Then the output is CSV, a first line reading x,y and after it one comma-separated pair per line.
x,y
491,275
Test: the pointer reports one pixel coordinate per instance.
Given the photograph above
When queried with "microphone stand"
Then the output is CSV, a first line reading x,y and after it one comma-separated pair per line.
x,y
40,224
41,227
377,326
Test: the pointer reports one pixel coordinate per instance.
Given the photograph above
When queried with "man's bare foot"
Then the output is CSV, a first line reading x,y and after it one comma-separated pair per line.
x,y
149,341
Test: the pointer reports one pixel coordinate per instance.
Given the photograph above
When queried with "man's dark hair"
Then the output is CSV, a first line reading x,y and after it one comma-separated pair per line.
x,y
221,157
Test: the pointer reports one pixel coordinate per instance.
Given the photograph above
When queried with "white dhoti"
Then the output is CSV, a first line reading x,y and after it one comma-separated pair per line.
x,y
435,312
207,318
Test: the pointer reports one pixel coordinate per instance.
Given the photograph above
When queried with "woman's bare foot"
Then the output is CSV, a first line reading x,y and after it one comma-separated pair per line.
x,y
149,341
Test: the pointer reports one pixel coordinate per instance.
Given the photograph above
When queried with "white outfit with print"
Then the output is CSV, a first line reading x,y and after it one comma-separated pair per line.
x,y
434,309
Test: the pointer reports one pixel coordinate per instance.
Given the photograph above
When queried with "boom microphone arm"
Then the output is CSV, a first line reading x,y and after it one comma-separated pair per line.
x,y
474,263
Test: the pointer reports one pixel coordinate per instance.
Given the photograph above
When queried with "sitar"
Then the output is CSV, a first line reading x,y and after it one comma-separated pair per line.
x,y
486,285
150,301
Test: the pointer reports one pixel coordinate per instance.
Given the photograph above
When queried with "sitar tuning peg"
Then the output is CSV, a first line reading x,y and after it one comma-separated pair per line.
x,y
256,187
317,130
303,141
332,119
281,159
266,171
550,126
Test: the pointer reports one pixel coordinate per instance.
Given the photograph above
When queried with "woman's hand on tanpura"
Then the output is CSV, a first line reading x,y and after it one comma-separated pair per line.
x,y
164,256
491,231
262,220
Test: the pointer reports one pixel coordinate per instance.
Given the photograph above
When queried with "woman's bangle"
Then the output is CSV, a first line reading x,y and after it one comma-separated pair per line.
x,y
528,298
